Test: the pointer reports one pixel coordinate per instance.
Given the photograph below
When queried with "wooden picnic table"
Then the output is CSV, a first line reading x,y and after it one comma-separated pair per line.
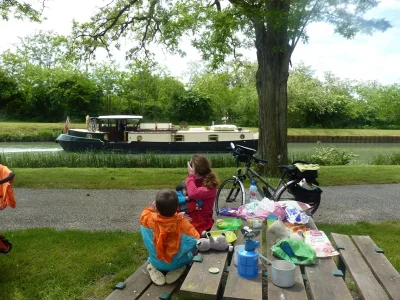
x,y
378,278
373,274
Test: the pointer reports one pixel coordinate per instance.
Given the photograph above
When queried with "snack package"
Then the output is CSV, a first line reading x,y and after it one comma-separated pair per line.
x,y
320,243
295,216
228,223
228,211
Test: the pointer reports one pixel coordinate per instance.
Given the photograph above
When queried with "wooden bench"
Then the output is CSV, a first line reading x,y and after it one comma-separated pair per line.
x,y
140,286
201,284
373,274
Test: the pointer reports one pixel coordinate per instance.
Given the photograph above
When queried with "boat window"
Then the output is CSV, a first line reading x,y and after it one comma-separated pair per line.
x,y
179,138
242,136
213,138
139,138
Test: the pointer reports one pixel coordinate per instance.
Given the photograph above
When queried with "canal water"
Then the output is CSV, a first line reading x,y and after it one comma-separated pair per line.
x,y
16,147
365,151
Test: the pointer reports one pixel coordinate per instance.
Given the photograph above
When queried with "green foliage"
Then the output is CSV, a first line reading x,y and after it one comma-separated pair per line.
x,y
232,92
331,156
20,10
192,106
393,159
10,96
382,103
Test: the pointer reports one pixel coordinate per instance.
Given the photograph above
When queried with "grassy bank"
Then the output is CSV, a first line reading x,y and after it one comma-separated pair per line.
x,y
154,178
50,264
32,132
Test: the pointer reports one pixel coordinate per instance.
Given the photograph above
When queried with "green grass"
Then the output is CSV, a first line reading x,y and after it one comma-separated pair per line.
x,y
155,178
343,132
50,264
32,132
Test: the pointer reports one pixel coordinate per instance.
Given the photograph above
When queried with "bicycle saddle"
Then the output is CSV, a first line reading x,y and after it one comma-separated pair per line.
x,y
288,167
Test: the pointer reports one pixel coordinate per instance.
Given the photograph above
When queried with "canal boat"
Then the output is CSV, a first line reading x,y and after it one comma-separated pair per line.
x,y
127,134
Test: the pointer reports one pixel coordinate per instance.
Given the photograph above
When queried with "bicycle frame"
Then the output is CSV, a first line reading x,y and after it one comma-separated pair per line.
x,y
251,174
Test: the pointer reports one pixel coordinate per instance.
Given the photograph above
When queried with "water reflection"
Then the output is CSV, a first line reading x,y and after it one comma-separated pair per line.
x,y
21,147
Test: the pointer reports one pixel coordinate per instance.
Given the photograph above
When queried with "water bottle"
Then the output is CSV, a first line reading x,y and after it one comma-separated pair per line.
x,y
253,191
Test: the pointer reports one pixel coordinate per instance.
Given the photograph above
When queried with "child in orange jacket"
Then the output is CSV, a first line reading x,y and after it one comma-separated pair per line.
x,y
168,237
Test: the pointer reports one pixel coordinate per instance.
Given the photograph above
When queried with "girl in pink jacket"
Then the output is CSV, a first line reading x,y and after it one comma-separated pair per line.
x,y
201,183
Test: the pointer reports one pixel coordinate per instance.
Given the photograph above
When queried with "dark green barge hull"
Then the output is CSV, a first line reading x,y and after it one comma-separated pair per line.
x,y
81,144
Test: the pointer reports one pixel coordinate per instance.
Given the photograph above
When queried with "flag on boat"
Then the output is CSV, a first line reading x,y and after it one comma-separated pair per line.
x,y
66,125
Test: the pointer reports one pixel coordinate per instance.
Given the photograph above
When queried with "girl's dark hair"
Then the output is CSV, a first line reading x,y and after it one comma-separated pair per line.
x,y
167,202
202,166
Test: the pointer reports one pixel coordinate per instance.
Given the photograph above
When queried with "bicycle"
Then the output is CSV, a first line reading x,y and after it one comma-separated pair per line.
x,y
232,191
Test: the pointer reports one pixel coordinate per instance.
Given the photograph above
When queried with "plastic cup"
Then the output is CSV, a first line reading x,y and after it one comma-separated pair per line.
x,y
271,219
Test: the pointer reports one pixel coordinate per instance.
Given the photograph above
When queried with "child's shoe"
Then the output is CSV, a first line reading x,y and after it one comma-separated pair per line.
x,y
174,275
156,276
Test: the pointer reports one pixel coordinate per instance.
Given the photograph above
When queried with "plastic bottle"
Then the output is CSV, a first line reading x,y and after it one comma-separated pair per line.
x,y
253,191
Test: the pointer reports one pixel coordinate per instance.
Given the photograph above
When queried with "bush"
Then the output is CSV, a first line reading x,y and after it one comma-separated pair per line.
x,y
393,159
331,156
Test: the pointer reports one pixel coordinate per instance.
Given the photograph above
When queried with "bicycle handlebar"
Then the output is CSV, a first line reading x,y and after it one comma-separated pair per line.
x,y
246,154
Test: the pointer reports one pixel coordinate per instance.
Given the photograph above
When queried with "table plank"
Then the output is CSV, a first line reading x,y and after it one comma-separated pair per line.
x,y
380,266
154,291
136,284
200,283
367,284
323,285
296,292
240,288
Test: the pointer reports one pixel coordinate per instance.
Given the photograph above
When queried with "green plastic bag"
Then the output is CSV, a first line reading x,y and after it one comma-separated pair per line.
x,y
228,223
294,251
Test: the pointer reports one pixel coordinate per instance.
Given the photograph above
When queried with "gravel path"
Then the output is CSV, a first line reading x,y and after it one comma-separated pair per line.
x,y
120,209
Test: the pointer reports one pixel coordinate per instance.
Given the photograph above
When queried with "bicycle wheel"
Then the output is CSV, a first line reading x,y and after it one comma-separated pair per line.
x,y
230,194
285,193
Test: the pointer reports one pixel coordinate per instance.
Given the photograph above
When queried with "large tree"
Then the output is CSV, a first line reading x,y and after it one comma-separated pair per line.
x,y
30,10
221,28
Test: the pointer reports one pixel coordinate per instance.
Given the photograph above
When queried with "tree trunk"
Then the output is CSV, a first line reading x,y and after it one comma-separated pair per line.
x,y
273,55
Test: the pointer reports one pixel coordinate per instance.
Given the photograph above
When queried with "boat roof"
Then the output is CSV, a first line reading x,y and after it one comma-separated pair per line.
x,y
120,117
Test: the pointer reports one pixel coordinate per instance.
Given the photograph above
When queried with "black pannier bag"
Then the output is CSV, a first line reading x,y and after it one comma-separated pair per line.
x,y
311,197
309,175
307,196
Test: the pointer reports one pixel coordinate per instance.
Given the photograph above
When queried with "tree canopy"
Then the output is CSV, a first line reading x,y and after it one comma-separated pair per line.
x,y
30,10
219,29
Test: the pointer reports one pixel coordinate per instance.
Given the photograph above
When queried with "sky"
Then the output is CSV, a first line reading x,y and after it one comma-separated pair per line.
x,y
364,58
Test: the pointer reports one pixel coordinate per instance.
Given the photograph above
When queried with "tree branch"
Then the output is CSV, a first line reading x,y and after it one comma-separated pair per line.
x,y
241,3
298,33
114,20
